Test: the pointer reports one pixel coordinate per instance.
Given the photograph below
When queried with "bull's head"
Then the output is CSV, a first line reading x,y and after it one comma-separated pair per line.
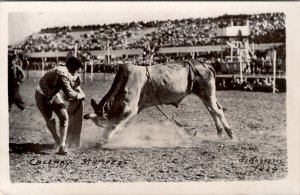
x,y
98,116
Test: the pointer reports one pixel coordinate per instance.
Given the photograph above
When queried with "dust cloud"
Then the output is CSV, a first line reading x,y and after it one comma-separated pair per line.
x,y
140,135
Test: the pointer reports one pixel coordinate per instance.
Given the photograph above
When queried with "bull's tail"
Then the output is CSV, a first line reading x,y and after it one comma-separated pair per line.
x,y
209,67
121,75
212,69
192,64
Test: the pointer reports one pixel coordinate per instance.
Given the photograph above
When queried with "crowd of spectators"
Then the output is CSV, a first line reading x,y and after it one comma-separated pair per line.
x,y
269,27
264,28
257,84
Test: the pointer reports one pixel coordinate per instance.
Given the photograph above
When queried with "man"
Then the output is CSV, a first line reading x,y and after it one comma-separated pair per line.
x,y
48,100
218,65
15,77
148,54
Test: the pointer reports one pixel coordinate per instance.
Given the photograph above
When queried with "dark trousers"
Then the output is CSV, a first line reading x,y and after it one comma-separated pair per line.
x,y
15,97
70,115
47,109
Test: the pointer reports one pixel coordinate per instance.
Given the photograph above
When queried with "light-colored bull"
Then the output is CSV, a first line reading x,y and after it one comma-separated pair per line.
x,y
138,87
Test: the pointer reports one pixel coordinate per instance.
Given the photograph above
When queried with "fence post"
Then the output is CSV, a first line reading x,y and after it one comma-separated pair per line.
x,y
84,72
231,53
75,50
92,70
274,70
241,64
43,64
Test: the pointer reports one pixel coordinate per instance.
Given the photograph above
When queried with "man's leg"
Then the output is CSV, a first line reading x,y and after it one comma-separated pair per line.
x,y
51,124
61,111
46,109
17,98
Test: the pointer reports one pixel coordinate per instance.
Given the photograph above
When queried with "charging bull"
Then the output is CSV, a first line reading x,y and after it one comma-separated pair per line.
x,y
137,87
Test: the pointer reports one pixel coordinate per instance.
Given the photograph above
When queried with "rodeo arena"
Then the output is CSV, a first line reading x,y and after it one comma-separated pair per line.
x,y
192,99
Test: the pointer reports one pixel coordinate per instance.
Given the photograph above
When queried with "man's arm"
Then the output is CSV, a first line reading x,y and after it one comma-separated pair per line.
x,y
68,90
21,73
80,91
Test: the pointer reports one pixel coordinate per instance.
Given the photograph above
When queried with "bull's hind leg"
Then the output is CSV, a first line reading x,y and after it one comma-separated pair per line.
x,y
217,110
224,120
218,122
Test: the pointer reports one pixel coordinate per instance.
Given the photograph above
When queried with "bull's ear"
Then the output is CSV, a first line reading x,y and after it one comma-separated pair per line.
x,y
94,104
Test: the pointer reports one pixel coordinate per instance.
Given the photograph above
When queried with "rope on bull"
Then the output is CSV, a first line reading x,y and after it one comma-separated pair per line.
x,y
157,95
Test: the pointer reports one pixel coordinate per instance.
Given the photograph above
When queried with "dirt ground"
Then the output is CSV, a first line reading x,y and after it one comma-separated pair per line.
x,y
153,149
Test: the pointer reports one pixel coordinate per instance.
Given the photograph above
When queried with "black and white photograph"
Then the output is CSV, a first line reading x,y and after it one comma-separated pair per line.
x,y
150,97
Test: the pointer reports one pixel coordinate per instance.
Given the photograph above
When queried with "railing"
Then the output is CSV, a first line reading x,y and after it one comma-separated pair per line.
x,y
163,50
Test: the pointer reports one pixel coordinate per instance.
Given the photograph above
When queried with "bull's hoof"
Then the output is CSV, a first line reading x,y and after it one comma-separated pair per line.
x,y
98,145
57,140
101,143
62,151
220,134
230,135
234,138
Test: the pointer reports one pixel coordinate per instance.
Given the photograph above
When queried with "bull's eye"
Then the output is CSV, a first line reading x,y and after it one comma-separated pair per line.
x,y
101,114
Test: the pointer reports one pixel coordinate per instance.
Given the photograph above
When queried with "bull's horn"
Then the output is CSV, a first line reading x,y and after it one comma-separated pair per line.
x,y
94,104
97,109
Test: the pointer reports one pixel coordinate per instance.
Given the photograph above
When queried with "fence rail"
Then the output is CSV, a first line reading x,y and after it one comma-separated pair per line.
x,y
162,50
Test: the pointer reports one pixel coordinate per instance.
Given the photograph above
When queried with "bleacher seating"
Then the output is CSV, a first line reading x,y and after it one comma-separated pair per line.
x,y
264,28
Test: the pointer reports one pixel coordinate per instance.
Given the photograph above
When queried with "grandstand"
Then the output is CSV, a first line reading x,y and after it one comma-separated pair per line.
x,y
170,33
198,38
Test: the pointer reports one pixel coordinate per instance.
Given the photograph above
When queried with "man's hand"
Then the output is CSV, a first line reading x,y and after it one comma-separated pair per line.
x,y
81,96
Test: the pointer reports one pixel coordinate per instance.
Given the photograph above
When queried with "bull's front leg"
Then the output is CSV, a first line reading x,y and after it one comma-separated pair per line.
x,y
115,124
107,133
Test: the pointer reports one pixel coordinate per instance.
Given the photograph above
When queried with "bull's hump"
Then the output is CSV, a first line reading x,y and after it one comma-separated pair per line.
x,y
168,71
125,67
169,80
173,67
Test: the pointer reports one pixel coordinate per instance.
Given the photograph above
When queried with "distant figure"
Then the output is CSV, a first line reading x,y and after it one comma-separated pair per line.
x,y
268,64
238,83
263,65
257,85
48,100
222,85
233,83
246,54
246,86
218,65
15,77
267,85
148,54
267,82
253,65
